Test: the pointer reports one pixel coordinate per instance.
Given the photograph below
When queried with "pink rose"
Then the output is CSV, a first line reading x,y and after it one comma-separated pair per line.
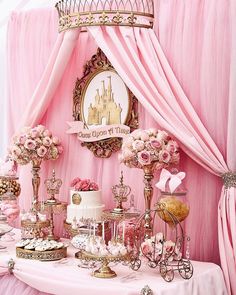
x,y
144,136
47,141
172,146
128,141
136,134
169,246
127,154
22,139
138,145
74,181
42,151
93,186
164,156
77,186
162,135
175,158
34,133
40,128
152,131
15,150
146,248
47,133
84,185
156,144
144,158
30,144
55,140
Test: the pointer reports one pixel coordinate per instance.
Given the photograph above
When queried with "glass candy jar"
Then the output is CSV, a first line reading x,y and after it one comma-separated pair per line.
x,y
9,184
9,193
175,202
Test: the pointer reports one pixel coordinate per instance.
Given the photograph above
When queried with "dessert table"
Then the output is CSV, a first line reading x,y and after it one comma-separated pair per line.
x,y
65,277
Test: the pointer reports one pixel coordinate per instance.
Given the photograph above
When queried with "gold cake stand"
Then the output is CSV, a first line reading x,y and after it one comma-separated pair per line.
x,y
50,255
104,272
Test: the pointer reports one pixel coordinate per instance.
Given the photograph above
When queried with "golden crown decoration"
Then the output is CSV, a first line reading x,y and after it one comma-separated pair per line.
x,y
53,186
83,13
120,192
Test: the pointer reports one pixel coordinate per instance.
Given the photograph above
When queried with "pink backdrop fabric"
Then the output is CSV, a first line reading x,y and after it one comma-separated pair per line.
x,y
202,228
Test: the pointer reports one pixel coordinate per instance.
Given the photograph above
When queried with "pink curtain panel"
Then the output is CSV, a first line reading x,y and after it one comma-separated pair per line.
x,y
202,122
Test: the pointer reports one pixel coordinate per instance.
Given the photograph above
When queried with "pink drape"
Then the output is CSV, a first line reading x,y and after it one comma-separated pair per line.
x,y
198,140
76,160
138,58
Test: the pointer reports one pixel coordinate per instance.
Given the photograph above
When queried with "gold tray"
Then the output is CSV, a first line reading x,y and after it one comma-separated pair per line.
x,y
115,216
49,255
33,225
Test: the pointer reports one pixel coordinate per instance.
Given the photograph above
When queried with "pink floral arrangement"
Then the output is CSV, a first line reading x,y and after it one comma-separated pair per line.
x,y
83,185
158,247
143,147
35,144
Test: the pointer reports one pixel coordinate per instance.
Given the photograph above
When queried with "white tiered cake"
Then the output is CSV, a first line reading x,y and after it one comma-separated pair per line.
x,y
84,204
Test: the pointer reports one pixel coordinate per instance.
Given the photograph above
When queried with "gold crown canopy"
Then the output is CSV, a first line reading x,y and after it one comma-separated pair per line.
x,y
82,13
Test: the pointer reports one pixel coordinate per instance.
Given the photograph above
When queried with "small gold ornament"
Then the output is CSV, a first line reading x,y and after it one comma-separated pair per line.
x,y
76,199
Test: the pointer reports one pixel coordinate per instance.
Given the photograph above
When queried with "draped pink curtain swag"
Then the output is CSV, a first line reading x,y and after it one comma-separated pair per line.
x,y
138,58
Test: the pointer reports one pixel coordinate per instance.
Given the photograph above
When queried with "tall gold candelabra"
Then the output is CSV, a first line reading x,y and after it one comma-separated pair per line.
x,y
148,194
36,183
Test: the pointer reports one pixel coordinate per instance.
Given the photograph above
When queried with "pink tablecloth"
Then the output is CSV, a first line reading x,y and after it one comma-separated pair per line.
x,y
64,277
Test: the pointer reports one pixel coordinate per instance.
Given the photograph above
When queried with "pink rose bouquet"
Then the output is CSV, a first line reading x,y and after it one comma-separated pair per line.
x,y
83,185
157,247
35,144
143,147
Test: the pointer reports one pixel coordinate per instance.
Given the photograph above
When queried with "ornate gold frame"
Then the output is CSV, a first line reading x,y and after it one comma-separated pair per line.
x,y
97,64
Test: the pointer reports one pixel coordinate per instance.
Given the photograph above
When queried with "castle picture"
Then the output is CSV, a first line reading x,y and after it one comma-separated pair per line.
x,y
104,111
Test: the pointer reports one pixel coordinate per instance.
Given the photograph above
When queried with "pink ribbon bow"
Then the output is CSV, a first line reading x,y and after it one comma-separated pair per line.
x,y
174,180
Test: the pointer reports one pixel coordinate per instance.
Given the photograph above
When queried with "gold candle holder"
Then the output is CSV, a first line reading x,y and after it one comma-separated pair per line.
x,y
36,183
148,194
